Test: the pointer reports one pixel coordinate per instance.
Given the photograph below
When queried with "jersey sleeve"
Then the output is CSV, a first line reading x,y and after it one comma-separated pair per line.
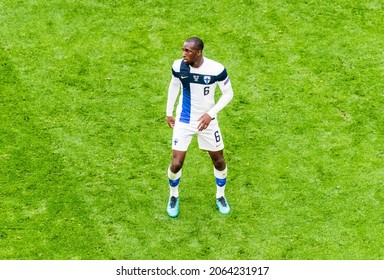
x,y
173,92
227,93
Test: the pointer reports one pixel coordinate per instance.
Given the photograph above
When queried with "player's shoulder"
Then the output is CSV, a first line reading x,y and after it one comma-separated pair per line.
x,y
214,66
176,65
212,62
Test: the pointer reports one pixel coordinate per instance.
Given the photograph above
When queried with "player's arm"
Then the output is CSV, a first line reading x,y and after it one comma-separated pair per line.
x,y
173,92
226,97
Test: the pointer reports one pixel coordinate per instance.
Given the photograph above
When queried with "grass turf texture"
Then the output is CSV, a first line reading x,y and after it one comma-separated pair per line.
x,y
84,146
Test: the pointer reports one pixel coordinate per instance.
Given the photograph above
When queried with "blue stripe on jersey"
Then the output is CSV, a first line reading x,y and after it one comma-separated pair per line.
x,y
222,76
184,77
176,74
185,115
207,79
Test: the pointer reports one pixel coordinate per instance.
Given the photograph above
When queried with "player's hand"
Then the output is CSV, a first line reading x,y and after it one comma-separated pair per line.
x,y
171,121
205,120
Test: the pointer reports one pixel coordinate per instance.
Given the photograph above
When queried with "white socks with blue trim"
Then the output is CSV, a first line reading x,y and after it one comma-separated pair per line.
x,y
221,180
220,177
174,181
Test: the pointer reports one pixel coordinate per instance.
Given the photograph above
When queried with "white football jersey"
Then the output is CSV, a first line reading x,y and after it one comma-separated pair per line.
x,y
198,87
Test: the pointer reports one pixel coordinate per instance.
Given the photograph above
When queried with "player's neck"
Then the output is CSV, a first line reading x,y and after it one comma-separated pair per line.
x,y
198,62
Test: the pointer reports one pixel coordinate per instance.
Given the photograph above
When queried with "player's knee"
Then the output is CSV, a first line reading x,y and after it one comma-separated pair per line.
x,y
176,166
219,164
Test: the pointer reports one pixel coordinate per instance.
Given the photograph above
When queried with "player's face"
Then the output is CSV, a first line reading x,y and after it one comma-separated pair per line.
x,y
190,53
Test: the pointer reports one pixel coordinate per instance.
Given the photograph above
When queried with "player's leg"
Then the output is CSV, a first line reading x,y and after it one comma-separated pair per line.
x,y
181,139
174,171
211,140
220,173
174,174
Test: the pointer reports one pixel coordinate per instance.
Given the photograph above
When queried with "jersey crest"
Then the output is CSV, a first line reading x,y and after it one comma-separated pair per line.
x,y
207,79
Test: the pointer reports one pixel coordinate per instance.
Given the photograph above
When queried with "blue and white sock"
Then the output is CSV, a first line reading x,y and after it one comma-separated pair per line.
x,y
174,181
221,181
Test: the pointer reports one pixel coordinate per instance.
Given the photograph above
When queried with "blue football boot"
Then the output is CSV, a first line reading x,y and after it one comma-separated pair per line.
x,y
173,206
223,205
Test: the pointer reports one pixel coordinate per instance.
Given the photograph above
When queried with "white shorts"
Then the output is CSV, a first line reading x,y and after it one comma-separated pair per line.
x,y
209,139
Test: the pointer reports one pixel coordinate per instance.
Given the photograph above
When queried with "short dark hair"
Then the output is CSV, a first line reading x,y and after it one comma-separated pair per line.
x,y
197,41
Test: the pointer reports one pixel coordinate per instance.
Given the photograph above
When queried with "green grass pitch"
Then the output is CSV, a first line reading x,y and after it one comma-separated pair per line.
x,y
84,146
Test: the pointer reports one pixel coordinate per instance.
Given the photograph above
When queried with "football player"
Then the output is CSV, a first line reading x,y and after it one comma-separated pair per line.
x,y
195,78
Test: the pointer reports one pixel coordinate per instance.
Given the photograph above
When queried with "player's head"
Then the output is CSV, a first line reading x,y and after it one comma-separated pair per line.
x,y
198,43
193,50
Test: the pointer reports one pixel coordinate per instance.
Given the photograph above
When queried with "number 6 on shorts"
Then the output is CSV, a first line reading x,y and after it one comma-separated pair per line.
x,y
217,136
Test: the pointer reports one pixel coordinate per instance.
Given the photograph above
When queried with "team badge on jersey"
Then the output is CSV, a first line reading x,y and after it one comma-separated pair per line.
x,y
207,79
